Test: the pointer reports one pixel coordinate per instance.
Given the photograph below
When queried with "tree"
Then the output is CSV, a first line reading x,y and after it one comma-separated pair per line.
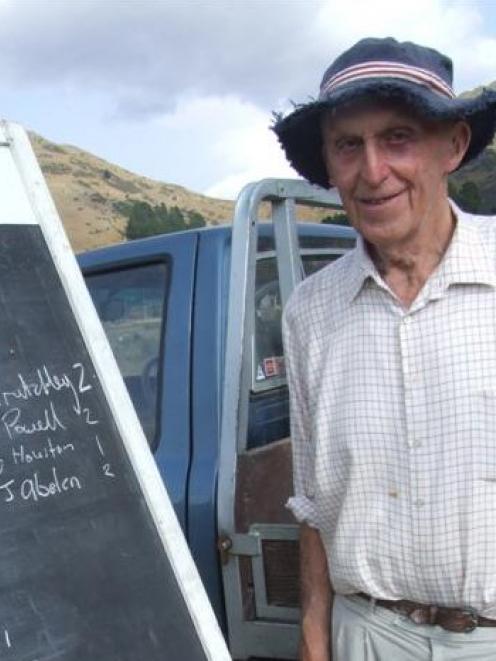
x,y
142,221
467,196
175,220
146,220
195,219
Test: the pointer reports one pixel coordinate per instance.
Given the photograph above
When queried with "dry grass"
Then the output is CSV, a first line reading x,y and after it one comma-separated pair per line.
x,y
85,189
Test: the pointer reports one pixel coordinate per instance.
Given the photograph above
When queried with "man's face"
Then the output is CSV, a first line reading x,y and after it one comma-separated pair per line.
x,y
390,169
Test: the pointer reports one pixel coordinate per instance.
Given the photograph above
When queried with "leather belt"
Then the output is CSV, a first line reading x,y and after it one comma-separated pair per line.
x,y
458,620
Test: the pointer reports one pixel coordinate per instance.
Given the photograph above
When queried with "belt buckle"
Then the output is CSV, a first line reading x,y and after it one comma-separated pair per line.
x,y
462,620
473,619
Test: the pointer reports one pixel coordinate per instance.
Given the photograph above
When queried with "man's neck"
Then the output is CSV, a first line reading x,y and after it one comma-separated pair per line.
x,y
407,268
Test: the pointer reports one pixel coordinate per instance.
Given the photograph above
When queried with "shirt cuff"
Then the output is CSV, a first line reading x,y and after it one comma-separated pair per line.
x,y
303,510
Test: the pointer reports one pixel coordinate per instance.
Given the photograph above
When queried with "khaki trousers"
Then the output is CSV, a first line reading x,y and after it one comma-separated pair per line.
x,y
363,631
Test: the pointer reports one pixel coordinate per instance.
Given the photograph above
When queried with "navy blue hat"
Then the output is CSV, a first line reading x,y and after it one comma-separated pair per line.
x,y
420,78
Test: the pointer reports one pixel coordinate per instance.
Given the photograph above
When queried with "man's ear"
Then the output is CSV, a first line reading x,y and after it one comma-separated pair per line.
x,y
460,135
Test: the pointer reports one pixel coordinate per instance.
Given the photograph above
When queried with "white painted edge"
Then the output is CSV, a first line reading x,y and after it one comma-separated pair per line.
x,y
15,208
113,386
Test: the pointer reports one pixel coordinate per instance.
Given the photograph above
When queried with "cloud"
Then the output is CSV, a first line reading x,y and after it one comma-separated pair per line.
x,y
183,90
147,54
248,149
229,138
455,28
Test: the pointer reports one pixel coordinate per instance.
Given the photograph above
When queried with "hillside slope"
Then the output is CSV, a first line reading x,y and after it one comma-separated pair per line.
x,y
85,189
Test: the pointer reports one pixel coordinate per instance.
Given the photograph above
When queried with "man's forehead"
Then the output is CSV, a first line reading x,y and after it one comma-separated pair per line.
x,y
366,114
369,109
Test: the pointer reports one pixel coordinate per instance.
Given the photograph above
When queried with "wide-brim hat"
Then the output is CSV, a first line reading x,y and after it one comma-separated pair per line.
x,y
417,77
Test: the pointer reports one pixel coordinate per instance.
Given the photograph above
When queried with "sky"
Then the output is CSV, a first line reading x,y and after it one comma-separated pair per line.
x,y
183,91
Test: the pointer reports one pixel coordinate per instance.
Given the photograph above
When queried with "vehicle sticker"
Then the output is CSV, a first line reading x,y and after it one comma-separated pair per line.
x,y
274,366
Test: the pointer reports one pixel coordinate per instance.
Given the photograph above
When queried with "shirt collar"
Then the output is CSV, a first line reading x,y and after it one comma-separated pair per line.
x,y
362,268
466,261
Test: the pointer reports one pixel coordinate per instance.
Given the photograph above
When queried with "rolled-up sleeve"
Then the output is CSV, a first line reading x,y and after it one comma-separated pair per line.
x,y
302,504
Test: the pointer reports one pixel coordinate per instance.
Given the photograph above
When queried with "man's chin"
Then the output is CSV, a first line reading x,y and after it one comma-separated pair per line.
x,y
372,224
385,233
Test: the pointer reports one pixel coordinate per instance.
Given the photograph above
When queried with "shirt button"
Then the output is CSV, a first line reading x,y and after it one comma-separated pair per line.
x,y
416,443
419,503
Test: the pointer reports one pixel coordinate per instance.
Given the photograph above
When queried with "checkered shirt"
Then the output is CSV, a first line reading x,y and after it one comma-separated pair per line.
x,y
393,423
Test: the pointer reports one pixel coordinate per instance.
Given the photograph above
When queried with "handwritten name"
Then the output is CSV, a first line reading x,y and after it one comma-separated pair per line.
x,y
44,383
50,450
33,488
15,424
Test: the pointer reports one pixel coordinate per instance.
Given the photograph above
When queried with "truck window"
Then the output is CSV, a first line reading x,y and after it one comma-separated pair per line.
x,y
268,359
269,408
268,352
130,303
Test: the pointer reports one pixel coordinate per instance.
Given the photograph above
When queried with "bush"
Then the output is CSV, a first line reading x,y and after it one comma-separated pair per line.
x,y
467,196
147,220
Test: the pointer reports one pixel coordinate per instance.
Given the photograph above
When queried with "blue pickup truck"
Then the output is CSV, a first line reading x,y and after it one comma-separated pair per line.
x,y
194,319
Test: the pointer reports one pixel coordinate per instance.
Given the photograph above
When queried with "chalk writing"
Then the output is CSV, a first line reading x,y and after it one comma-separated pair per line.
x,y
88,417
83,386
51,450
9,495
33,415
35,487
99,446
107,470
15,425
41,385
44,383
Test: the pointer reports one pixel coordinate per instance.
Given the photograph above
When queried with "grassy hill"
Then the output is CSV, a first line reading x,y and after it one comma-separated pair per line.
x,y
89,191
86,189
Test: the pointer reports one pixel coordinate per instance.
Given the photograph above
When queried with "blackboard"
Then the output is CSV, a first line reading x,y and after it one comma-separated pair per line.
x,y
92,562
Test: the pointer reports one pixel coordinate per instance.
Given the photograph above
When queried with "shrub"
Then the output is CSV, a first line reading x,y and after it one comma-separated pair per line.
x,y
147,220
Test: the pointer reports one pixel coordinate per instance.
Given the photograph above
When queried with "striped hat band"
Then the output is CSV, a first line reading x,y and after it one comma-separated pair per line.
x,y
387,69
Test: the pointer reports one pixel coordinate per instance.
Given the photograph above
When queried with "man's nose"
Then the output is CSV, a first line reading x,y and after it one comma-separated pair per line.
x,y
374,164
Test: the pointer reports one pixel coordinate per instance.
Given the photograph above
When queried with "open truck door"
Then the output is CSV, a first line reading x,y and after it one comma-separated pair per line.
x,y
258,537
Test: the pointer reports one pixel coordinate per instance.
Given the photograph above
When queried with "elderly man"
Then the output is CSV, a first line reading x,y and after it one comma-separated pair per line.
x,y
391,357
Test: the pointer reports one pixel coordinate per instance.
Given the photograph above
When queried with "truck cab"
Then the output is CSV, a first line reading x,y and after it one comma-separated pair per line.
x,y
194,319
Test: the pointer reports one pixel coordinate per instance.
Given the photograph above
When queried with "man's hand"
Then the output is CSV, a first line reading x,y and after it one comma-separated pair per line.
x,y
316,598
